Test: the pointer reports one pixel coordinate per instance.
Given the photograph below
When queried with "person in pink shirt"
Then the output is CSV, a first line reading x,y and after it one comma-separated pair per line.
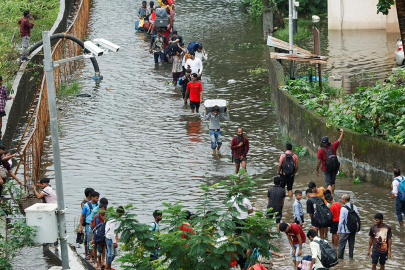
x,y
47,192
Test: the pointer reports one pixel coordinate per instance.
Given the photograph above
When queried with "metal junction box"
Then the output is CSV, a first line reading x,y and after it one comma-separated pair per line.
x,y
43,217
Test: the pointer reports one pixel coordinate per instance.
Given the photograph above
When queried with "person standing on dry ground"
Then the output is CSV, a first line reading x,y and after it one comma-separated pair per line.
x,y
26,24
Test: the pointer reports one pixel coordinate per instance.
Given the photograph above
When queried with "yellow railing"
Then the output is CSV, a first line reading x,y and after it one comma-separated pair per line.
x,y
32,149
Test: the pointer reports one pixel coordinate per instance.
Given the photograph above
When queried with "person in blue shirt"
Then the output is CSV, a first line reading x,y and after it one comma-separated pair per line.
x,y
86,216
142,10
95,211
343,232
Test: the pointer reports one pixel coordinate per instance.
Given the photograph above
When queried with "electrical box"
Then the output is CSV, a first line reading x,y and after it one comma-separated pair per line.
x,y
210,103
43,217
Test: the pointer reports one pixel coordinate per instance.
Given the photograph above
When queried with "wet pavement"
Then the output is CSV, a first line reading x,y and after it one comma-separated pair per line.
x,y
135,142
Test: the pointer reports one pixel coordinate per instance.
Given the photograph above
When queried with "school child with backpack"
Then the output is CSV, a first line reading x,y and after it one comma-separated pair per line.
x,y
99,242
349,225
111,237
297,208
287,168
85,219
330,164
321,216
323,254
398,193
154,227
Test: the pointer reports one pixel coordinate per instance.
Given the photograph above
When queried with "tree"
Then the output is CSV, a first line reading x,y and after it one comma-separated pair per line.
x,y
384,6
209,242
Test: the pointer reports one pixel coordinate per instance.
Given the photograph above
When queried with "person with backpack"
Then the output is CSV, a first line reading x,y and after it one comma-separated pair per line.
x,y
111,237
215,128
154,227
330,164
381,240
287,168
240,148
275,200
321,215
296,237
99,242
85,218
157,46
349,225
183,82
323,254
398,193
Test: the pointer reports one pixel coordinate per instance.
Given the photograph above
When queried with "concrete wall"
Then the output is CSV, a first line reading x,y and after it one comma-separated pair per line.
x,y
360,14
26,82
371,159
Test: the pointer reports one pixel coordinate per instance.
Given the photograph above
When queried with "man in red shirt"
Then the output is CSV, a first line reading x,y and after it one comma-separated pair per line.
x,y
296,238
240,148
330,177
335,209
26,24
194,88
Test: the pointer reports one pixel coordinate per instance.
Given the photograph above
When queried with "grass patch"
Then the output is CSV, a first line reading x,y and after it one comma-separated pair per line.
x,y
341,174
304,31
258,71
267,88
68,89
356,180
44,14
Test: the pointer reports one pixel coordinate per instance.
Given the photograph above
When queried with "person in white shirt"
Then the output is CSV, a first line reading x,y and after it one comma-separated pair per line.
x,y
194,64
399,204
47,191
200,53
243,214
315,250
111,237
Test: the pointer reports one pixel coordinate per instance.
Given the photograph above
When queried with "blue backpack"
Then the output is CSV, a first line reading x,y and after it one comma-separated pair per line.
x,y
401,189
99,233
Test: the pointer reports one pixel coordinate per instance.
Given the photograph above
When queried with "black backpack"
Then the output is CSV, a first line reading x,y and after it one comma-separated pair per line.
x,y
322,216
288,165
328,254
172,49
332,162
99,233
353,223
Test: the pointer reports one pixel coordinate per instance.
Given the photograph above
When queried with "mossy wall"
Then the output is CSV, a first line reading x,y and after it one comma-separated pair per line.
x,y
371,159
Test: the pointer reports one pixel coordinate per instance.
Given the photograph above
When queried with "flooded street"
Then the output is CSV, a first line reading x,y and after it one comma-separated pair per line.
x,y
133,141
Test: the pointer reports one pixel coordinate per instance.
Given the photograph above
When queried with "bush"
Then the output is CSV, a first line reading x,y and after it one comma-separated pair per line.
x,y
211,242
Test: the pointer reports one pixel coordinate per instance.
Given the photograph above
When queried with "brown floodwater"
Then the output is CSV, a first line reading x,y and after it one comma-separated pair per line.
x,y
134,141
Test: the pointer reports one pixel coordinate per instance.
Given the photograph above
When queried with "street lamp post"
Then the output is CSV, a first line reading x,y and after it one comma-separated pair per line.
x,y
49,66
291,35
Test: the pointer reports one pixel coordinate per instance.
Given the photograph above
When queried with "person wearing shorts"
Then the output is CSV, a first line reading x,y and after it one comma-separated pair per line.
x,y
288,179
240,148
330,178
381,240
195,92
296,238
275,200
335,209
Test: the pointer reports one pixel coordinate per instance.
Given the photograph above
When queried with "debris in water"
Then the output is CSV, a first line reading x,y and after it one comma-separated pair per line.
x,y
110,88
83,95
231,81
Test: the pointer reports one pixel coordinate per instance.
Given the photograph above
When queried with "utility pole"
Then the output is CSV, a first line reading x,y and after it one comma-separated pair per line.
x,y
295,17
291,36
48,65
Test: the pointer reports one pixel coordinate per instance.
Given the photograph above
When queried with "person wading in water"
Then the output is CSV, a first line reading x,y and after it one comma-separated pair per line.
x,y
240,148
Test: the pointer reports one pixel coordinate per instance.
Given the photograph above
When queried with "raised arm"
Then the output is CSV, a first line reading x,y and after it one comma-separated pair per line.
x,y
227,115
341,135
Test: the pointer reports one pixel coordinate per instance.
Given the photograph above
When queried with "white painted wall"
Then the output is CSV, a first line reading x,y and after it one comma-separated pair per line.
x,y
360,14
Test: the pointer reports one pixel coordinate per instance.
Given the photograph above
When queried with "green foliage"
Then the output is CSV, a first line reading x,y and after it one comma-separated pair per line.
x,y
19,234
310,7
384,6
44,14
356,180
258,71
341,174
301,151
68,89
210,243
267,88
255,7
304,30
378,111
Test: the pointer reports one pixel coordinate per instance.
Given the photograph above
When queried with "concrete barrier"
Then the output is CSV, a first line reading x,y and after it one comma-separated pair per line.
x,y
369,158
